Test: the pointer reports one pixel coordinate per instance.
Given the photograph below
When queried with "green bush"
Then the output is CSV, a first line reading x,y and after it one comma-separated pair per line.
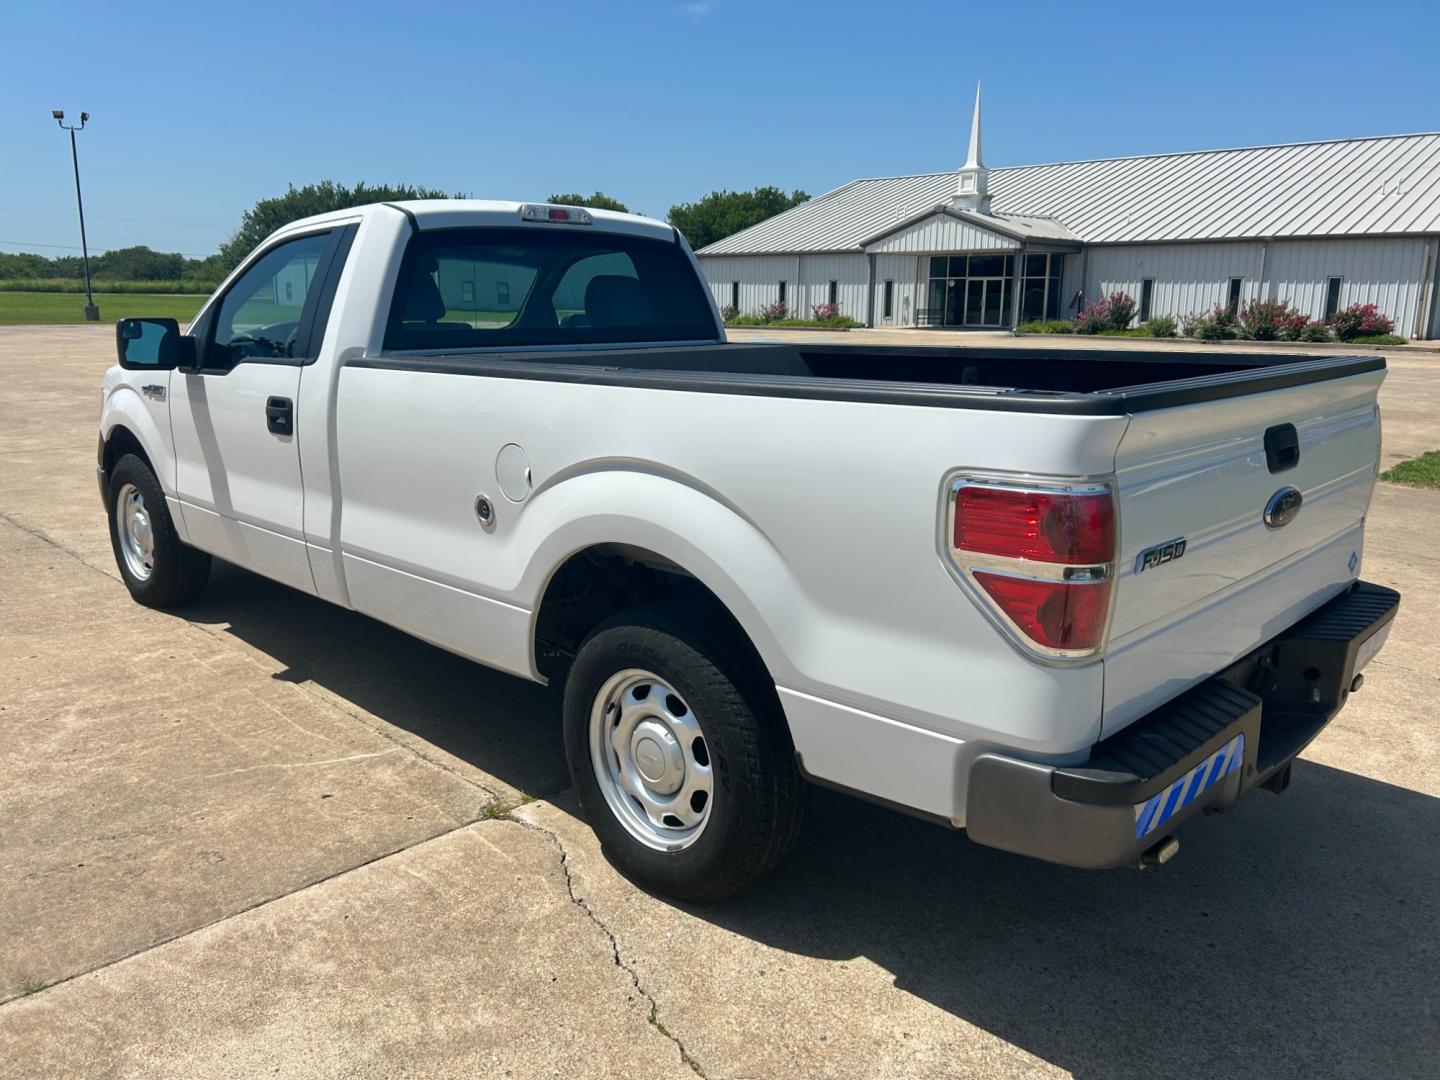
x,y
1046,326
1160,326
1379,339
1216,324
1315,331
77,285
839,322
1129,331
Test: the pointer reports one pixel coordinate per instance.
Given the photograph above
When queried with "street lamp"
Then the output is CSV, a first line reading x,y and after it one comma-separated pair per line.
x,y
92,313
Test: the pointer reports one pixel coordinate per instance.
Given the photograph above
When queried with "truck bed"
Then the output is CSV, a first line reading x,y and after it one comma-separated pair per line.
x,y
1088,381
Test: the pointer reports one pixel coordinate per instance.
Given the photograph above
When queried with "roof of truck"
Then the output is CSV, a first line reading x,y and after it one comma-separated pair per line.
x,y
460,213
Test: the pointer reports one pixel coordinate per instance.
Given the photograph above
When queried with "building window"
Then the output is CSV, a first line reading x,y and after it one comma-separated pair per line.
x,y
1232,302
1040,287
834,295
502,292
1332,298
782,292
735,295
889,305
1147,295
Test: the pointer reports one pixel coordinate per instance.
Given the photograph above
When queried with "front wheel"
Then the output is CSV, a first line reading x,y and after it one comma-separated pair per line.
x,y
680,757
157,567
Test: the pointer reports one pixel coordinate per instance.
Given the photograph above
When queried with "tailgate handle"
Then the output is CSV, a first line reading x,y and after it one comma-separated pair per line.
x,y
1282,447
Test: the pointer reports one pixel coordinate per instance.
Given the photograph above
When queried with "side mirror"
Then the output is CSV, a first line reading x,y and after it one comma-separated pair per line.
x,y
153,345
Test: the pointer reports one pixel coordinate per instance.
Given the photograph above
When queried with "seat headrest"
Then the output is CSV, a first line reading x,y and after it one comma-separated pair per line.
x,y
616,300
423,302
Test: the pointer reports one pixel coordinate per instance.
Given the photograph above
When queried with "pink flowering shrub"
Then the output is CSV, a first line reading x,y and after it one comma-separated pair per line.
x,y
1271,320
1360,320
775,311
1112,312
825,312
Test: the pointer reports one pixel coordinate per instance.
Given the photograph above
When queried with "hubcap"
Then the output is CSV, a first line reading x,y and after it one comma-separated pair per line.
x,y
137,535
651,759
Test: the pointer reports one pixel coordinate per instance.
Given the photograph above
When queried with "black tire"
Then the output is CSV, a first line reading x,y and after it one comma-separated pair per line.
x,y
758,793
180,571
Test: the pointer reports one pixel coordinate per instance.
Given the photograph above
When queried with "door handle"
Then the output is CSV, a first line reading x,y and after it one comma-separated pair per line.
x,y
280,415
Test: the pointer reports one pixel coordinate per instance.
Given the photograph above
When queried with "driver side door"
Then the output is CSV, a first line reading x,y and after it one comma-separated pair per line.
x,y
233,418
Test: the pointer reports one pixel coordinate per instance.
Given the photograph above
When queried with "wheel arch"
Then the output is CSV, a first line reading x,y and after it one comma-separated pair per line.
x,y
643,537
127,426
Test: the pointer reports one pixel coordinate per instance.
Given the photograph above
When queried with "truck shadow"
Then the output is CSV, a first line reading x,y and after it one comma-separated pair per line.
x,y
506,727
1295,936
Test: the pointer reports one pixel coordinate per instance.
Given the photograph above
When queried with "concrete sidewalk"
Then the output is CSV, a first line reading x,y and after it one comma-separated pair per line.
x,y
275,837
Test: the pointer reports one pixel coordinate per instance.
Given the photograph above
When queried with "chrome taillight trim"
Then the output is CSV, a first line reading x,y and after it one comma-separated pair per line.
x,y
962,565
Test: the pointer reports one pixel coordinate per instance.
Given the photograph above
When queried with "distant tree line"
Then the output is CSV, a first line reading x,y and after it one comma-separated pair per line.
x,y
712,218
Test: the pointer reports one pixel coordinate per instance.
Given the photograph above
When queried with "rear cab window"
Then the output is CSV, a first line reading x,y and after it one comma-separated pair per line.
x,y
487,288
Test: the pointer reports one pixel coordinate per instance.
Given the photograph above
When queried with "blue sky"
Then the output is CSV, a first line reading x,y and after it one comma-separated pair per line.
x,y
199,110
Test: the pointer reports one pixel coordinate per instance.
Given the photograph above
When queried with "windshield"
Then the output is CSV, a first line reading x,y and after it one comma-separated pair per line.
x,y
489,288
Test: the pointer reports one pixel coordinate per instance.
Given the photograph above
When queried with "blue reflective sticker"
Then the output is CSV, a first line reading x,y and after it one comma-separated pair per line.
x,y
1159,808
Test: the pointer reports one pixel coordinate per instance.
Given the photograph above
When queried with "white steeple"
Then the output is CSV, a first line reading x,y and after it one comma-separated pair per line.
x,y
972,180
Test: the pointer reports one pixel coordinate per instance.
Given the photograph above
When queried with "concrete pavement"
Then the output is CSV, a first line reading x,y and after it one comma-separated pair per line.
x,y
276,837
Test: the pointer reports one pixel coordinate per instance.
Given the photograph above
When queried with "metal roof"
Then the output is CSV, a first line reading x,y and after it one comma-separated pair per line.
x,y
1382,185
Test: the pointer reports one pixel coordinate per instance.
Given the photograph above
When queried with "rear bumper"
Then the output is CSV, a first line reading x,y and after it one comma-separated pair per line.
x,y
1206,748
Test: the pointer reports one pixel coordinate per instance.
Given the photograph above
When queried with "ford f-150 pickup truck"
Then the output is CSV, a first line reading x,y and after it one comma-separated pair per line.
x,y
1065,600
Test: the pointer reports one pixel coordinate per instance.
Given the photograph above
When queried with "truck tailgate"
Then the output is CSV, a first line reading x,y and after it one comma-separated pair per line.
x,y
1201,577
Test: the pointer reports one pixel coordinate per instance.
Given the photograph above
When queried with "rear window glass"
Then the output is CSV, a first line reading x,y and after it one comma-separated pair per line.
x,y
490,288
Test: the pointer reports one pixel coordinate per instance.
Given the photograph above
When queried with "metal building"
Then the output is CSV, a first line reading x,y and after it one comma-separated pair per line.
x,y
1322,225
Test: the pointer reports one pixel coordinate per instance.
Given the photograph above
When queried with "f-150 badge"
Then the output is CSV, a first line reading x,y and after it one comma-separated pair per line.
x,y
1160,554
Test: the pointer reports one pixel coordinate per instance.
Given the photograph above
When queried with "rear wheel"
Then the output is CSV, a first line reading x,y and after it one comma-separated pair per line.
x,y
680,757
157,568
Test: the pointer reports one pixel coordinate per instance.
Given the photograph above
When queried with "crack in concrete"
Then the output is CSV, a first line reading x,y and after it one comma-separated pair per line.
x,y
303,764
314,694
25,994
41,535
654,1014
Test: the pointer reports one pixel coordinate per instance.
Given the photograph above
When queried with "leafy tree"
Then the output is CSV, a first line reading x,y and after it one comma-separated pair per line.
x,y
139,263
598,201
267,215
723,213
212,269
25,265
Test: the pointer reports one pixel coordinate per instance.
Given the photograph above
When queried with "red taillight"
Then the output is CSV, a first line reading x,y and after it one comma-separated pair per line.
x,y
1057,614
1046,526
1042,557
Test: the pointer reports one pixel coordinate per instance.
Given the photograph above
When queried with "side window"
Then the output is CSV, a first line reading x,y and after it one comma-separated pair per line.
x,y
261,314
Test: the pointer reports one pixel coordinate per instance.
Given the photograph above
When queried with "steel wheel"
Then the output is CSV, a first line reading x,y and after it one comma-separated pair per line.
x,y
137,535
651,760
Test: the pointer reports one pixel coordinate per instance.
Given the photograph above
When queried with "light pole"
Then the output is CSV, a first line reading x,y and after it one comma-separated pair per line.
x,y
92,313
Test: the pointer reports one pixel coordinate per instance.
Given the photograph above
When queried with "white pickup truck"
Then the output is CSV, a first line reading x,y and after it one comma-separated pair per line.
x,y
1063,599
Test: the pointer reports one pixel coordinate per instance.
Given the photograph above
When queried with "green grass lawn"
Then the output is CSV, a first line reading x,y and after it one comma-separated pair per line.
x,y
19,309
1423,471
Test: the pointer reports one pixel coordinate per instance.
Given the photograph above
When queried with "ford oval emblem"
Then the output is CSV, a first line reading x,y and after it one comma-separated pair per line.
x,y
1282,508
